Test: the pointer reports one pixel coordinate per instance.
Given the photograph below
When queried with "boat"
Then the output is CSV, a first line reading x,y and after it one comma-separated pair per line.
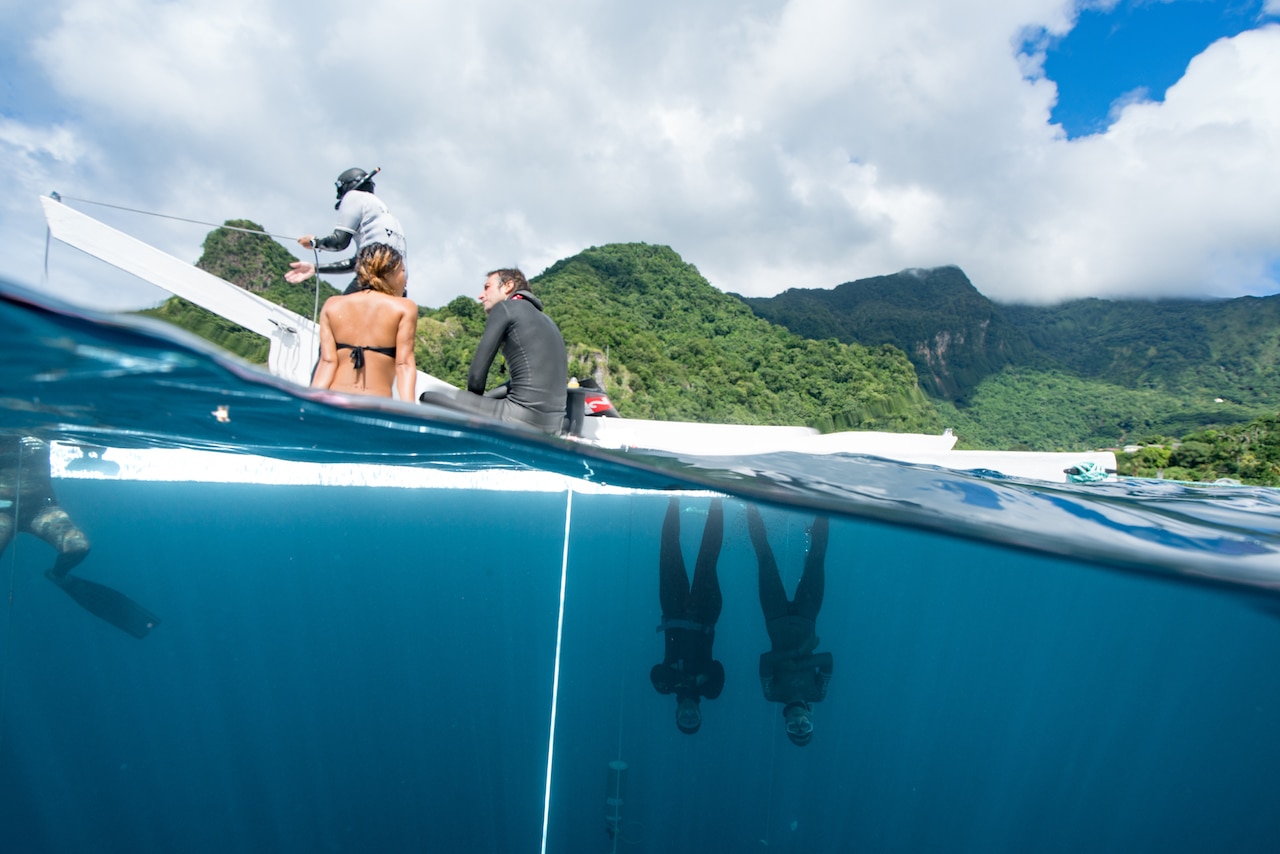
x,y
294,341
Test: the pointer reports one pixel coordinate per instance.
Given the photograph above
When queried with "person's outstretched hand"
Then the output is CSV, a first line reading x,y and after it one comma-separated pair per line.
x,y
300,271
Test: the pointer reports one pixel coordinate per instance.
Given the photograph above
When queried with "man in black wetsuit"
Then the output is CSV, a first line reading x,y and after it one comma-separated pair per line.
x,y
536,360
792,673
27,503
689,614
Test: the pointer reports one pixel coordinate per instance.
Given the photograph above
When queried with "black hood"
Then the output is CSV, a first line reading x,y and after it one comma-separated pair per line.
x,y
528,295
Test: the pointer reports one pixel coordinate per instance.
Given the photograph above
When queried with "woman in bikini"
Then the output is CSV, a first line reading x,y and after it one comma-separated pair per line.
x,y
376,324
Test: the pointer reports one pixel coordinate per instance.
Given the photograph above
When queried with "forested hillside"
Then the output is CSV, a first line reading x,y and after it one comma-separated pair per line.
x,y
1246,453
1089,373
666,344
1221,348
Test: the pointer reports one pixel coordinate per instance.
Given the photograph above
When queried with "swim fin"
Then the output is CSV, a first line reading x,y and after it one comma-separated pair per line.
x,y
111,605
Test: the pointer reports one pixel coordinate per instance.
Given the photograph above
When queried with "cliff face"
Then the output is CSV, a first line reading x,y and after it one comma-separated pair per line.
x,y
255,262
954,336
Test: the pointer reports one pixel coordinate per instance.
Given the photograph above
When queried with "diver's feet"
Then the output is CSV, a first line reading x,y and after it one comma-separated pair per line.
x,y
818,536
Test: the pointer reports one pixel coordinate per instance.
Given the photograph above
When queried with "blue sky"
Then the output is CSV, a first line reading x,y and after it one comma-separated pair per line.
x,y
1134,47
1051,149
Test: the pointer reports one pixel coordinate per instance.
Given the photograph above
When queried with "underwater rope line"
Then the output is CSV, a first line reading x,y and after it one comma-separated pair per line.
x,y
773,770
622,683
13,568
555,679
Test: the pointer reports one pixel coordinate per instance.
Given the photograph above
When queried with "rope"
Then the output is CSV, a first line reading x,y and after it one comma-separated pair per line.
x,y
315,310
179,218
622,682
773,770
555,680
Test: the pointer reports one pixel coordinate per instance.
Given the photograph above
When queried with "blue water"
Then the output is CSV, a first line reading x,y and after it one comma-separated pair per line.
x,y
1018,667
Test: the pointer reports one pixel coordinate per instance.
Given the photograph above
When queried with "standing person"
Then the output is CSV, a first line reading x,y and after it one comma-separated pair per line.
x,y
689,614
362,216
380,322
791,673
27,503
536,359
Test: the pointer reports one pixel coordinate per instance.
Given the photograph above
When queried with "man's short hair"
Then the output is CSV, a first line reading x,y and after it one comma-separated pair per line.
x,y
510,274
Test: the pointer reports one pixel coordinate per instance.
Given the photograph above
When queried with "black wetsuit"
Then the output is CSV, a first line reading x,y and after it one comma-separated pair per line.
x,y
689,611
537,368
25,485
27,502
791,671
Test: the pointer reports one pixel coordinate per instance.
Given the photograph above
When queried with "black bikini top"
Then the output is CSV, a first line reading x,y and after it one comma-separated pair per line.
x,y
357,353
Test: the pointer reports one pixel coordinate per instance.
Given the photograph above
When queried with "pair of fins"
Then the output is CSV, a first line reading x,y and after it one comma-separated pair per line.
x,y
106,603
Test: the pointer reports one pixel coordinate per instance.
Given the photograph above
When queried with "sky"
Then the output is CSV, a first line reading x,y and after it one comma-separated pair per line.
x,y
1052,150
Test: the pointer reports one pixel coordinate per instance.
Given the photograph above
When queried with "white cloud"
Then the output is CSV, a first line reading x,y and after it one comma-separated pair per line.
x,y
1176,197
31,144
773,143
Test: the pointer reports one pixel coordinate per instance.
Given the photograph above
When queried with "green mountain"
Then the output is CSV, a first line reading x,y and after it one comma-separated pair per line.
x,y
954,336
1089,373
668,345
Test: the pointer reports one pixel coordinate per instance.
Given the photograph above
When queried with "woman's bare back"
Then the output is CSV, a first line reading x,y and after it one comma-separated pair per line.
x,y
365,320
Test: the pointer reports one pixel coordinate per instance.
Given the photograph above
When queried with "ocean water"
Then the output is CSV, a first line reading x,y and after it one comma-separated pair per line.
x,y
444,646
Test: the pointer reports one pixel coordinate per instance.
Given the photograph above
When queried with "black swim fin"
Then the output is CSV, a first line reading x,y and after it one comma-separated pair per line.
x,y
111,605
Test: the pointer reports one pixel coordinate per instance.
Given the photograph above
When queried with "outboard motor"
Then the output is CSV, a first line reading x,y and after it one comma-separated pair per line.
x,y
586,399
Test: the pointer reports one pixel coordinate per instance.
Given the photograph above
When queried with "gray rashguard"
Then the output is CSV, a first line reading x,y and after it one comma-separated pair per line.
x,y
364,217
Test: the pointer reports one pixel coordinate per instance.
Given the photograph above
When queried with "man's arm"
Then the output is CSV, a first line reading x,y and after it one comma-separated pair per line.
x,y
350,215
824,664
495,330
336,242
344,266
766,676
